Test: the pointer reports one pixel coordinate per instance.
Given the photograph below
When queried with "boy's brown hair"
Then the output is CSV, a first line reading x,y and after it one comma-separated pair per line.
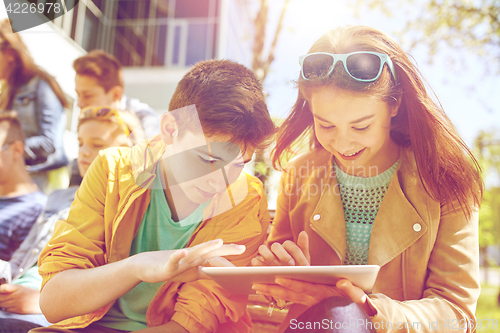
x,y
229,101
102,66
14,130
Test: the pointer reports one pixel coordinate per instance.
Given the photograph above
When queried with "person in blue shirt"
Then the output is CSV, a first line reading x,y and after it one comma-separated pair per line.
x,y
21,200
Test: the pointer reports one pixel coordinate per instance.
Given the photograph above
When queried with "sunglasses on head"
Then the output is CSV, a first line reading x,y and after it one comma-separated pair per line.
x,y
362,66
103,112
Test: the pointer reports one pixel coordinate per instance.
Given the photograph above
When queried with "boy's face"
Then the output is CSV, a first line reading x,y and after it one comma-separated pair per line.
x,y
93,136
91,93
204,170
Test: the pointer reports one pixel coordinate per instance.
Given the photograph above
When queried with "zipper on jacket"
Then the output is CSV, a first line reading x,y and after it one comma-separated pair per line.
x,y
119,212
125,204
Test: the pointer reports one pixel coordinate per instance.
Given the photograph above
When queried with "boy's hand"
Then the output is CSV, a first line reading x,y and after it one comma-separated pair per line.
x,y
288,254
182,265
19,299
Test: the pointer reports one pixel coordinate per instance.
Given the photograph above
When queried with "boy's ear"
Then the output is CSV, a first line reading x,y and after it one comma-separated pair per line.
x,y
116,93
168,128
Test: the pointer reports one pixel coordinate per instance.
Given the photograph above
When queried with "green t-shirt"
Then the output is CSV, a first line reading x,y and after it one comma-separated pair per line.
x,y
157,232
31,279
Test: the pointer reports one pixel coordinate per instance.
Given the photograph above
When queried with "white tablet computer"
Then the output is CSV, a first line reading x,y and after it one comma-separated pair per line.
x,y
239,280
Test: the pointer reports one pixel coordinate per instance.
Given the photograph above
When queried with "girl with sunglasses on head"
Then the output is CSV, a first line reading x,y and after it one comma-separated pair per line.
x,y
387,181
39,102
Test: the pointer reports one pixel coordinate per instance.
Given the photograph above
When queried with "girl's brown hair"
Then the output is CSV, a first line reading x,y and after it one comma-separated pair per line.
x,y
24,67
126,122
446,166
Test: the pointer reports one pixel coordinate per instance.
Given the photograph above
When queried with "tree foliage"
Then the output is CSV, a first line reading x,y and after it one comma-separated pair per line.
x,y
261,63
460,24
487,151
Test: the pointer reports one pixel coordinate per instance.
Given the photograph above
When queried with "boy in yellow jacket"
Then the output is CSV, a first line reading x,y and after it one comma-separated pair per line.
x,y
105,267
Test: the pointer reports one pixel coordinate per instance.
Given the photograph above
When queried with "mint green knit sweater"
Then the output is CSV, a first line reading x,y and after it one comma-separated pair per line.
x,y
361,198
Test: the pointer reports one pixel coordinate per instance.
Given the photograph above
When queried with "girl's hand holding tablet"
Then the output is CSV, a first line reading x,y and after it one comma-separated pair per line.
x,y
301,292
288,254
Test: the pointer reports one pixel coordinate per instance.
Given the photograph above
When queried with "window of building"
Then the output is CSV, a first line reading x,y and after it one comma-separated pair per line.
x,y
173,33
192,8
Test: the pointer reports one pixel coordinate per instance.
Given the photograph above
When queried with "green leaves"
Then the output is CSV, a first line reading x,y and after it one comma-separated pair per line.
x,y
487,151
474,25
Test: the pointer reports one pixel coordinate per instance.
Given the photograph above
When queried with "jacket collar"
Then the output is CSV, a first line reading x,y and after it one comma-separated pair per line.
x,y
397,225
144,159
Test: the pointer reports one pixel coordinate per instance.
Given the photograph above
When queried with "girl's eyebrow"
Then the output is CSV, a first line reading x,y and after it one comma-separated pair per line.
x,y
361,119
352,122
323,120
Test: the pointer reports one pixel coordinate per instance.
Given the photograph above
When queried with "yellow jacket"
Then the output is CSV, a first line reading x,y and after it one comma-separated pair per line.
x,y
104,219
428,253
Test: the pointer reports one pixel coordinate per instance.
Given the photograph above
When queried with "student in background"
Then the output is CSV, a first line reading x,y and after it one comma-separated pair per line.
x,y
21,200
39,102
99,128
99,81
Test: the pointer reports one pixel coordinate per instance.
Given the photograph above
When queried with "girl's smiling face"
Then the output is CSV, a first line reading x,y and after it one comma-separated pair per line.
x,y
356,130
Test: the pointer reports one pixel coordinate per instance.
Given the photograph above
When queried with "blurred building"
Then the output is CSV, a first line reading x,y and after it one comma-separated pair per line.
x,y
158,40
